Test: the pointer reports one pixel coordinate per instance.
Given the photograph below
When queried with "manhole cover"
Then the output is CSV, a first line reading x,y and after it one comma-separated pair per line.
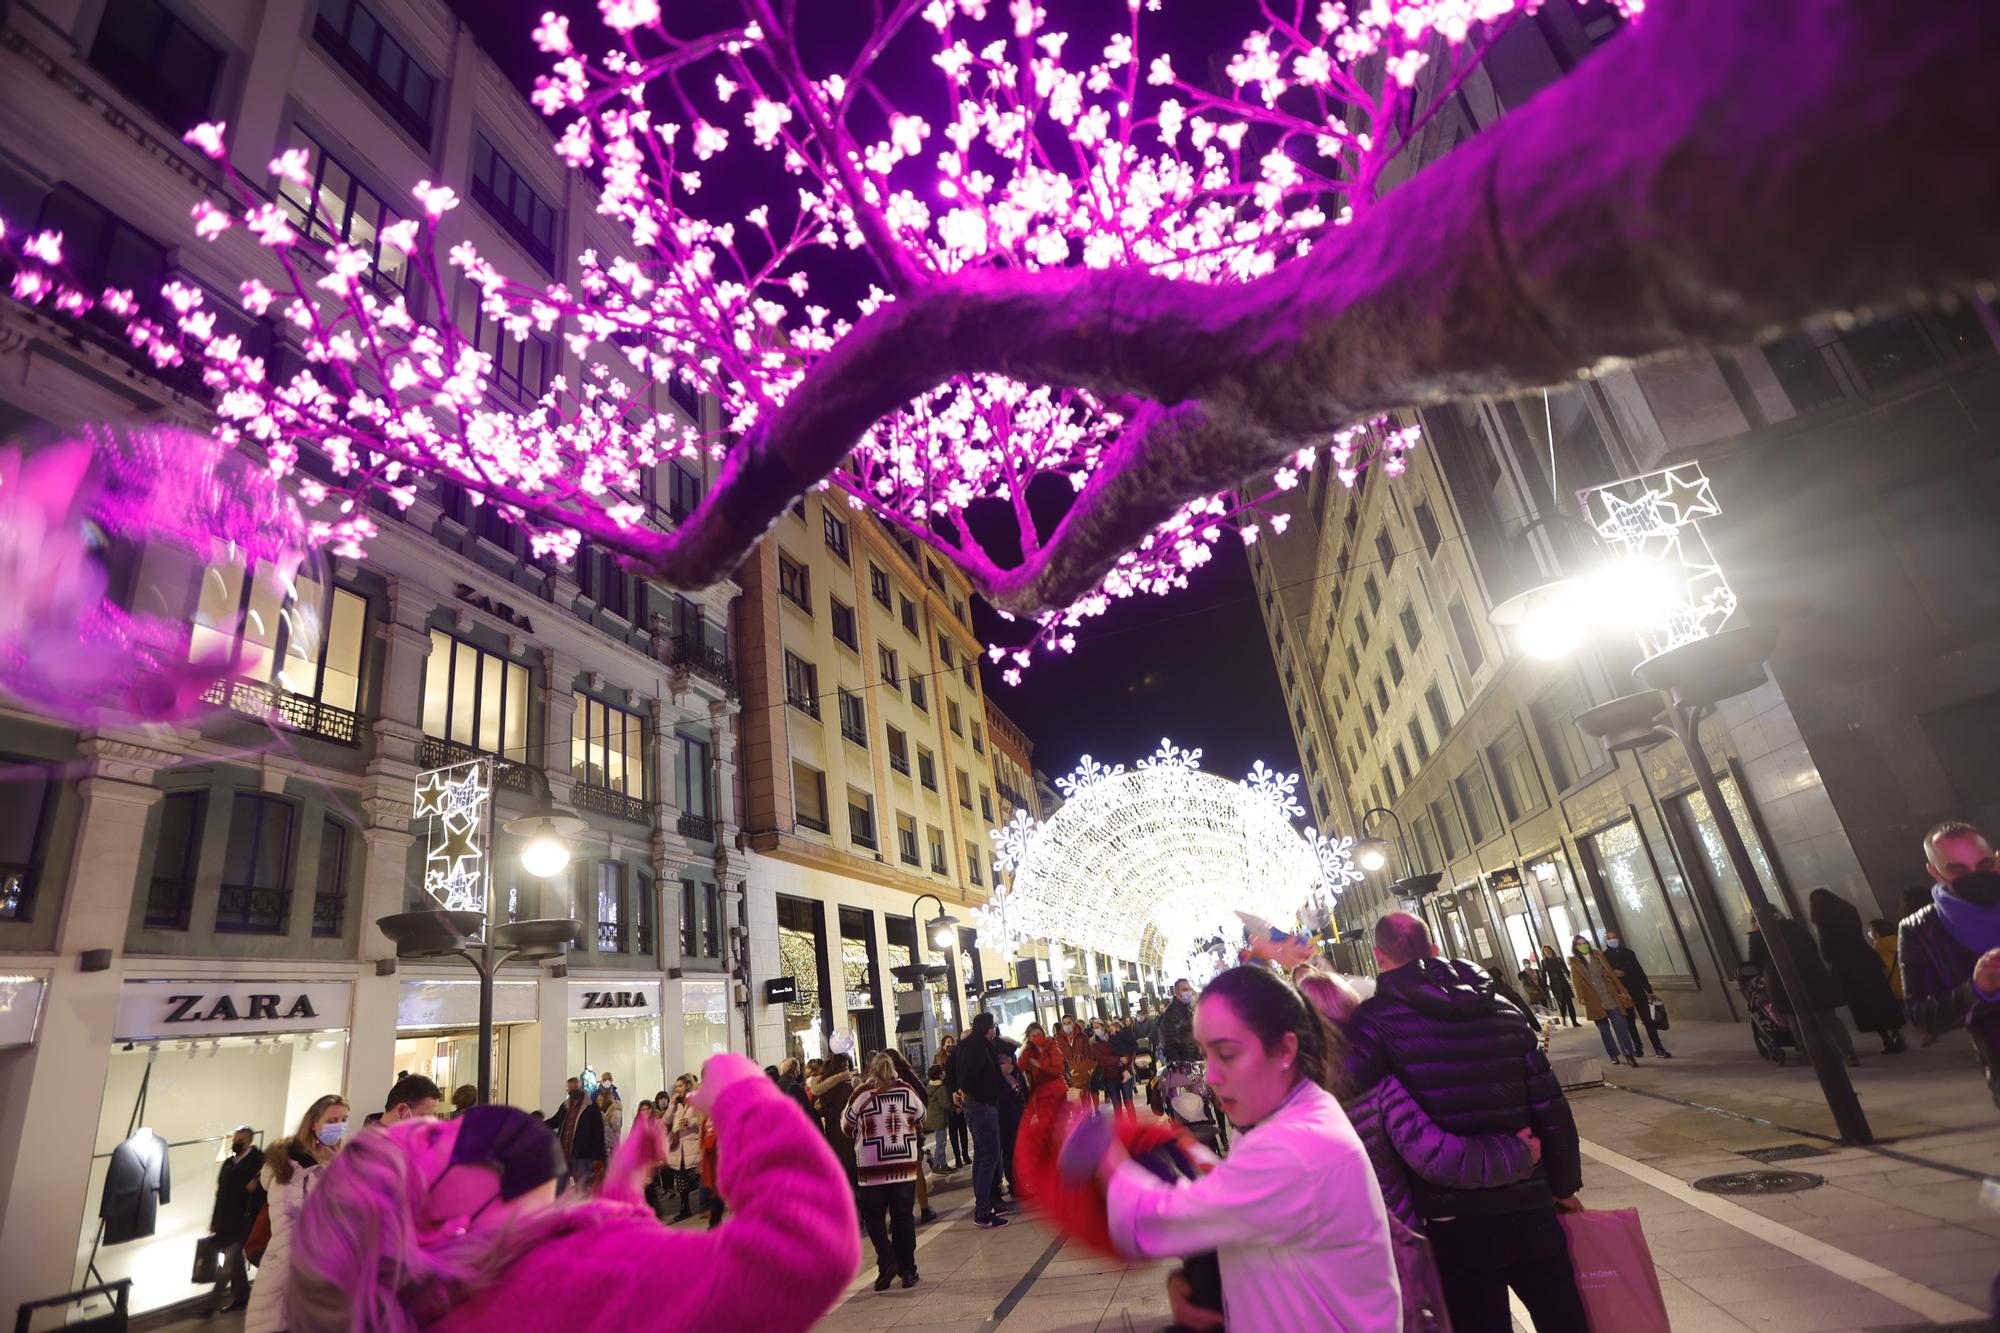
x,y
1790,1152
1759,1182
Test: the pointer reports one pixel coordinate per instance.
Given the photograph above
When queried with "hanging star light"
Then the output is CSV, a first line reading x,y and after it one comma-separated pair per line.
x,y
1654,522
455,802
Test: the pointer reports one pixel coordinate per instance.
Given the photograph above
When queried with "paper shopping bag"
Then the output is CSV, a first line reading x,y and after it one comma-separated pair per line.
x,y
1614,1271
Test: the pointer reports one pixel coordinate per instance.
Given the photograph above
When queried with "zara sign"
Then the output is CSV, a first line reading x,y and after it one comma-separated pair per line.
x,y
170,1009
614,999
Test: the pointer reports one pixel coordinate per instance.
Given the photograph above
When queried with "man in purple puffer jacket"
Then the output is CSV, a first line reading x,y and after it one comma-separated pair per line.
x,y
1470,1061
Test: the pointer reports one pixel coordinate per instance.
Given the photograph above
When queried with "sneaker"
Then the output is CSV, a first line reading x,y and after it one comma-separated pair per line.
x,y
997,1220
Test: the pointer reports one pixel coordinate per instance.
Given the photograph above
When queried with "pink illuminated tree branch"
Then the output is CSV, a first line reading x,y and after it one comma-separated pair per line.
x,y
1052,262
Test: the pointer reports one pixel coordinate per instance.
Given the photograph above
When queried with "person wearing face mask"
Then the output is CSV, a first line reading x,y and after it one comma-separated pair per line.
x,y
1175,1033
1949,951
1079,1068
1605,1001
1294,1213
238,1198
413,1097
456,1226
1630,971
291,1173
1110,1068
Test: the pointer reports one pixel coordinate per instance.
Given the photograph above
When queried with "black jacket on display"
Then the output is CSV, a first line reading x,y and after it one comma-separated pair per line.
x,y
1624,961
237,1201
135,1186
1471,1062
1175,1034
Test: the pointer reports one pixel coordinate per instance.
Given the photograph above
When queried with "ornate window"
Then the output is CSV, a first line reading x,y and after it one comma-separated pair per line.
x,y
256,869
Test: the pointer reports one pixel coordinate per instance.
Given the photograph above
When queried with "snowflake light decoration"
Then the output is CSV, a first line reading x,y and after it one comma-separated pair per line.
x,y
1281,788
1087,774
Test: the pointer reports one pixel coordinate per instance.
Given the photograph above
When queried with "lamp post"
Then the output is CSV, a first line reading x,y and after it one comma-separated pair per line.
x,y
1372,853
1698,675
942,931
460,797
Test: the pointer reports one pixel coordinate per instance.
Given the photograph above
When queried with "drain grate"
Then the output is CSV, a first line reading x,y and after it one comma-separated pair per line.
x,y
1759,1182
1790,1152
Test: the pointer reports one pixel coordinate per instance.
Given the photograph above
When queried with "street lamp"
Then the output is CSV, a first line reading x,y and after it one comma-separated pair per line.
x,y
943,927
547,829
1372,852
1698,675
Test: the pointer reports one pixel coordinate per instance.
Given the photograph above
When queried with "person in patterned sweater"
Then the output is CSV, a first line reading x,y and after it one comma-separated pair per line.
x,y
885,1118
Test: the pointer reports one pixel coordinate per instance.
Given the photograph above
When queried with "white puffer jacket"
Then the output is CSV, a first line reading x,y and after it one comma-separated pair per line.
x,y
267,1312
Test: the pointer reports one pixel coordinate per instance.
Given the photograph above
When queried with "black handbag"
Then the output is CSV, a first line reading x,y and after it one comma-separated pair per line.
x,y
1660,1015
207,1262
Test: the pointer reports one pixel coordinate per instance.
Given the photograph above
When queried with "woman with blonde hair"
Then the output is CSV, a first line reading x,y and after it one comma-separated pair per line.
x,y
884,1119
456,1226
287,1166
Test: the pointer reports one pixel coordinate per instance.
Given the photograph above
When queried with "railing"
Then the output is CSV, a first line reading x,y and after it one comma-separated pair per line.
x,y
295,712
253,910
436,752
704,660
938,867
611,937
328,911
1012,797
167,902
805,703
901,763
857,734
607,802
698,827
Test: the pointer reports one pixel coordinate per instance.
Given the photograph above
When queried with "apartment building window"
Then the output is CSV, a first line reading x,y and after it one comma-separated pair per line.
x,y
899,751
1353,661
612,936
24,811
944,651
476,698
599,575
683,492
909,613
1382,695
801,684
878,584
920,692
1299,718
257,866
500,189
607,747
176,856
1395,661
336,207
1402,762
978,739
1475,795
1515,774
927,768
986,803
311,644
841,616
861,818
690,920
694,770
965,671
1427,528
350,33
1572,755
330,885
1427,848
888,657
1367,718
1467,636
1440,716
1386,549
939,864
102,250
809,797
1374,592
521,366
1361,631
936,575
964,788
953,717
158,61
1413,632
972,863
795,582
906,840
836,533
1418,745
1451,829
854,718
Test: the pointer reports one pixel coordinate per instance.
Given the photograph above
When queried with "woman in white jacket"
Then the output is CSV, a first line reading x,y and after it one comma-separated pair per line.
x,y
1294,1213
287,1167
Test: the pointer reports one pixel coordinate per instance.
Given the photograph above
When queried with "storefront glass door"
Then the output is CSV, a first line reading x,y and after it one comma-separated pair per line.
x,y
704,1022
451,1059
801,950
1730,896
1639,900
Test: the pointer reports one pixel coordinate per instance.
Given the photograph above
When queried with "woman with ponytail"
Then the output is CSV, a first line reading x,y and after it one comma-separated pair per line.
x,y
456,1225
1294,1212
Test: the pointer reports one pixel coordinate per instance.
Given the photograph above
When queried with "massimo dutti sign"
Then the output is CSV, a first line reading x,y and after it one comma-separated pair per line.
x,y
614,999
149,1009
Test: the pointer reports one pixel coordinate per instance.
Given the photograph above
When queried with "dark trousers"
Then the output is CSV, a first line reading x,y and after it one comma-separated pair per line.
x,y
960,1153
1479,1258
983,1124
1565,1002
894,1235
233,1287
1646,1021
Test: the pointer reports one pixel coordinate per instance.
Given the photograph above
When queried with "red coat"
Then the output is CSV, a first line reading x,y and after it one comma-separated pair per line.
x,y
1042,1061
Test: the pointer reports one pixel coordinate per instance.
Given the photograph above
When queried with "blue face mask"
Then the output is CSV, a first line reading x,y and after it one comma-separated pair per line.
x,y
330,1134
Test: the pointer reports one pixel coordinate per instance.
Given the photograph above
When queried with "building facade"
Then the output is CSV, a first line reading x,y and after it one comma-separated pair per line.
x,y
187,937
1852,471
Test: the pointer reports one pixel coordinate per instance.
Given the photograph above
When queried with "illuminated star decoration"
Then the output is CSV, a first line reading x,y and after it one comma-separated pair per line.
x,y
1657,517
453,801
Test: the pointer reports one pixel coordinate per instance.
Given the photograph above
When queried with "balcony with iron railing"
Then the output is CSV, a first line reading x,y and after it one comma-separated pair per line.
x,y
700,828
294,712
436,752
805,703
703,659
604,801
1012,798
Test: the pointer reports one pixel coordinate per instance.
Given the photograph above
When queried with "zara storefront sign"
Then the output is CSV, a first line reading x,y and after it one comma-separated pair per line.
x,y
167,1009
614,999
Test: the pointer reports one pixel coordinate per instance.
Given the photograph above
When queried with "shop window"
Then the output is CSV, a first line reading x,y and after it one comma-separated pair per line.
x,y
1475,795
1516,775
1630,885
612,919
1701,829
860,981
521,365
499,188
801,684
920,694
927,768
802,957
1467,636
795,582
176,855
836,533
889,674
861,818
841,616
809,797
899,751
607,749
906,840
330,888
854,718
256,868
158,61
940,865
350,33
475,698
25,802
335,207
1427,528
878,584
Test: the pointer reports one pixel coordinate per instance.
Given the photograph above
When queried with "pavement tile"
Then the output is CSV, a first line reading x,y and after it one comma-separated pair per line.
x,y
1729,1288
1827,1312
1741,1257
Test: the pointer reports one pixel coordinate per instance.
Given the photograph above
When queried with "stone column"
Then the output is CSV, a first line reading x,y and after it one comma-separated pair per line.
x,y
46,1145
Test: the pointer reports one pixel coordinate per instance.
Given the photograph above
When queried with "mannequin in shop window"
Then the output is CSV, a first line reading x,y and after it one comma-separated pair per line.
x,y
135,1186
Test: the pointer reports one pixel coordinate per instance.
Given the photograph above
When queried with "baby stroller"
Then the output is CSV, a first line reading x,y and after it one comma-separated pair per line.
x,y
1768,1028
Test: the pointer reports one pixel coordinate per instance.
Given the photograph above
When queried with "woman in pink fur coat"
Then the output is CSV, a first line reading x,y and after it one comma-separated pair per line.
x,y
455,1225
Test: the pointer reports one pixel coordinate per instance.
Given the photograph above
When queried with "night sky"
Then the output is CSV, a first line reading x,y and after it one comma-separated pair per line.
x,y
1195,666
